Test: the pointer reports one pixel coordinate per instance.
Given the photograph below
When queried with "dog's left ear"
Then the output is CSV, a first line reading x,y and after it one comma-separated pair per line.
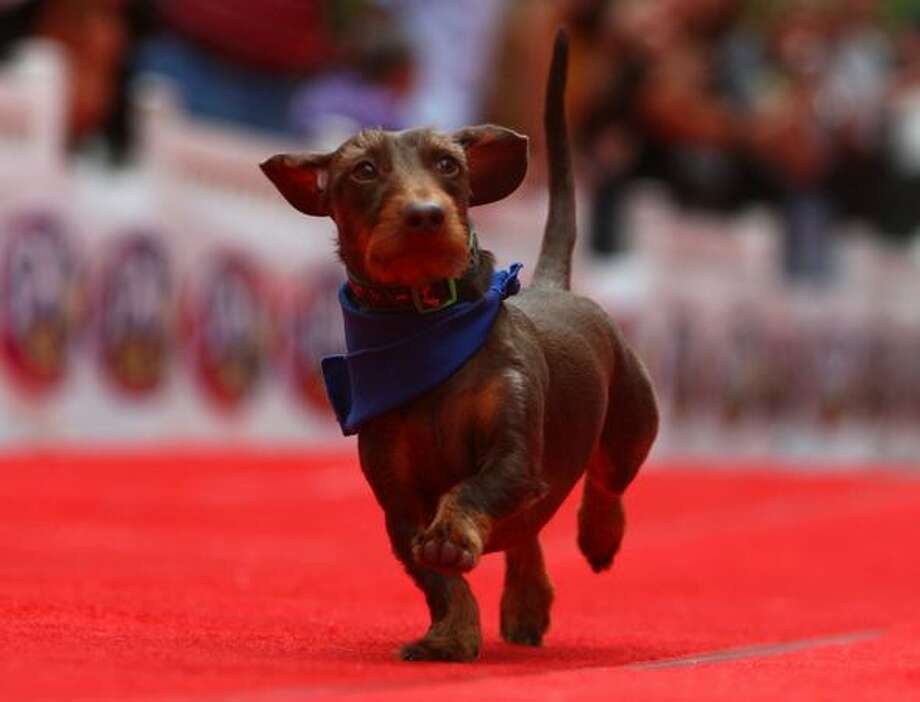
x,y
497,161
302,179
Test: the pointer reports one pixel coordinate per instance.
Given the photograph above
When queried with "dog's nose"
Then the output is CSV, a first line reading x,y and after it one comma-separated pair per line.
x,y
423,216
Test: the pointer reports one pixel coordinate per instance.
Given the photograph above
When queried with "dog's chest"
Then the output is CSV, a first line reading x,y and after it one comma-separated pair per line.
x,y
419,452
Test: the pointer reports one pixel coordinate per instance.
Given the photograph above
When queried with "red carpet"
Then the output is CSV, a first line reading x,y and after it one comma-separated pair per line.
x,y
248,578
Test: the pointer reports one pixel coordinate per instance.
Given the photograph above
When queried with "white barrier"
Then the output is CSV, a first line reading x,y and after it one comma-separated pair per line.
x,y
747,363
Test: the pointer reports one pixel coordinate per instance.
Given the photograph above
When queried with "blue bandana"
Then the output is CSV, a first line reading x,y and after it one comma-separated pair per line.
x,y
394,357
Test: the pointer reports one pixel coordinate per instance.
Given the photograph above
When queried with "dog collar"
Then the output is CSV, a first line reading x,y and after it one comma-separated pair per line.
x,y
393,358
435,297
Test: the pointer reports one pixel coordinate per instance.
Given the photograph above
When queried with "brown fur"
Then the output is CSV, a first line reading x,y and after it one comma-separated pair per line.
x,y
482,462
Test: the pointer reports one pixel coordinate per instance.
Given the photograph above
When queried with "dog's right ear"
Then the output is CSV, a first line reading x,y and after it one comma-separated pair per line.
x,y
303,179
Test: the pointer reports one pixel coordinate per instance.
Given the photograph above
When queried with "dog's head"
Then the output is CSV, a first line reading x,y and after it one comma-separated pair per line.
x,y
400,199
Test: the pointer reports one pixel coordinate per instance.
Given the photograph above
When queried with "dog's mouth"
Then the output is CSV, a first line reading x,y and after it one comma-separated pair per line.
x,y
397,255
397,260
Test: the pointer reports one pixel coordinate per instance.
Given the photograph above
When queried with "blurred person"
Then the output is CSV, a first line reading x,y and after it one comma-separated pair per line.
x,y
372,89
900,212
409,62
453,46
17,21
857,75
851,105
826,132
97,37
243,62
93,36
522,42
692,110
100,38
791,141
610,131
674,106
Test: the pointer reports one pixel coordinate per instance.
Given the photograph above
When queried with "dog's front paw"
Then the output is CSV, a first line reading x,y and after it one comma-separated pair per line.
x,y
452,544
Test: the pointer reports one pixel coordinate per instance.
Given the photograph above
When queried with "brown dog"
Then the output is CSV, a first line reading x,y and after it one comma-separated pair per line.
x,y
481,462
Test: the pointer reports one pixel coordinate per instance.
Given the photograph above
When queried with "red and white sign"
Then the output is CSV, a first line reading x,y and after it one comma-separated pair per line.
x,y
231,329
135,314
40,296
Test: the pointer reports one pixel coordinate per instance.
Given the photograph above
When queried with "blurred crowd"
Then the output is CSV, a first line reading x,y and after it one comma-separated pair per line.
x,y
285,67
812,106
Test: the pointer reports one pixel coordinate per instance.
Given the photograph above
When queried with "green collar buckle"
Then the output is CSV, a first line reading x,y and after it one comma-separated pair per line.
x,y
425,303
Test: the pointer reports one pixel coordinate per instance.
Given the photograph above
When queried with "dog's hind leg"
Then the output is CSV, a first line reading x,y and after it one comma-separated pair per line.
x,y
454,634
629,431
601,523
527,595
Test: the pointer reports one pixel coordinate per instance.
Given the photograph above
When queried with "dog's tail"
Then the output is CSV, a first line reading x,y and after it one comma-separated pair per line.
x,y
554,267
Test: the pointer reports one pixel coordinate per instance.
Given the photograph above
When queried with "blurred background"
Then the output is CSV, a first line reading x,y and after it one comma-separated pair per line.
x,y
749,185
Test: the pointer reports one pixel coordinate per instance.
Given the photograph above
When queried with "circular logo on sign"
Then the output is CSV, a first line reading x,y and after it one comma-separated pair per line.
x,y
316,331
231,328
39,300
135,314
836,350
742,364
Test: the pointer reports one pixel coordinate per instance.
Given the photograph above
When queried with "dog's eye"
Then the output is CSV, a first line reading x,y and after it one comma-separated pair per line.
x,y
447,165
364,172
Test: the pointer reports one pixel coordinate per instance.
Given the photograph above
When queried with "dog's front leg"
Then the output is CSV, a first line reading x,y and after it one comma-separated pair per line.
x,y
507,481
454,634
